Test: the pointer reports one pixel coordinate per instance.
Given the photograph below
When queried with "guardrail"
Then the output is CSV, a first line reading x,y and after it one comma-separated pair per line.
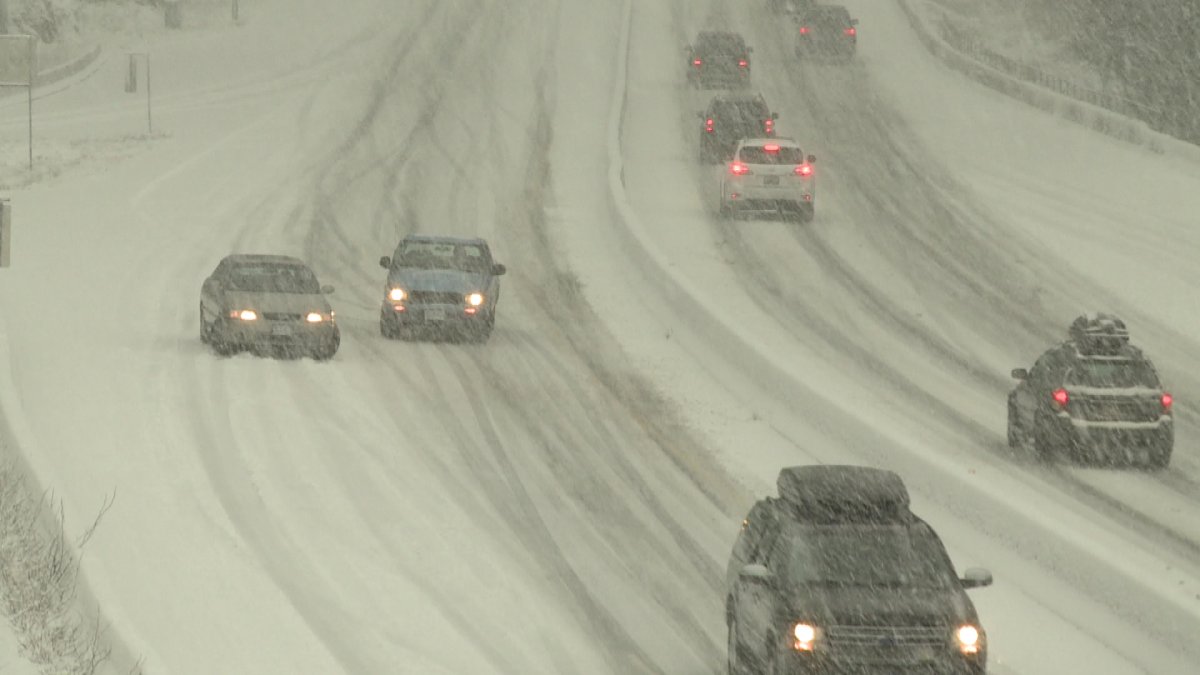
x,y
963,41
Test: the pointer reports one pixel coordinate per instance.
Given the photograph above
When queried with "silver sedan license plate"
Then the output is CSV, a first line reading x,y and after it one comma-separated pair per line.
x,y
281,329
438,314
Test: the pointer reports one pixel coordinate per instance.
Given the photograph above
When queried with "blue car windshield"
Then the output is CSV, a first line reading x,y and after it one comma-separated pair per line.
x,y
273,279
443,255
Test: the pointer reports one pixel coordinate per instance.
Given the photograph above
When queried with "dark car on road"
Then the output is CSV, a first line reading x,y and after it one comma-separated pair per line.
x,y
1094,397
826,33
267,303
443,285
718,59
837,575
728,119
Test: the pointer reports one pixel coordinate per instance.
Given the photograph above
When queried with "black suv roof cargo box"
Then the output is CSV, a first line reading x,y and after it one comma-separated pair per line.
x,y
836,493
1100,334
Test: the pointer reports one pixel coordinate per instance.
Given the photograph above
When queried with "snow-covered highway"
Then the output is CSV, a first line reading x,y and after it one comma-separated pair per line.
x,y
563,498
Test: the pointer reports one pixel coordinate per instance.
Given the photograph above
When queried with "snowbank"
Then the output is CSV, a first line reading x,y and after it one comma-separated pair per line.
x,y
1086,114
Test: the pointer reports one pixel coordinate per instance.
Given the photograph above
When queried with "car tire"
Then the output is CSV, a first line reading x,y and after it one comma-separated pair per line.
x,y
1047,450
205,329
325,350
1015,435
388,330
806,212
725,209
1160,457
220,346
732,662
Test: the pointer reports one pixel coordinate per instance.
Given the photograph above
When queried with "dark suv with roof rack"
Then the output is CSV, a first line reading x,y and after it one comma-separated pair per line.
x,y
728,119
837,575
1093,397
719,59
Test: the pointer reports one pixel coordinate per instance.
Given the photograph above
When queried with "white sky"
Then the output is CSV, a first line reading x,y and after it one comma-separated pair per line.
x,y
563,499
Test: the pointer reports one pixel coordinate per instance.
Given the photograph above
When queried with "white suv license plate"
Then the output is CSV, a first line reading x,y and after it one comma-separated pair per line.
x,y
770,180
438,314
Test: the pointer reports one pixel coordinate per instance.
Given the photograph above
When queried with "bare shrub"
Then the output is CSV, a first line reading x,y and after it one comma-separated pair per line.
x,y
38,580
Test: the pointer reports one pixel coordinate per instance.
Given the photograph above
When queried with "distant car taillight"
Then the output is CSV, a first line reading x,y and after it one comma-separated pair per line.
x,y
803,170
697,62
1061,398
708,125
851,32
1167,400
739,169
804,30
743,63
769,126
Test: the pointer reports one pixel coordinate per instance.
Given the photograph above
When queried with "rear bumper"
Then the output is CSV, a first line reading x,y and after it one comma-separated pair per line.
x,y
1111,438
831,49
747,195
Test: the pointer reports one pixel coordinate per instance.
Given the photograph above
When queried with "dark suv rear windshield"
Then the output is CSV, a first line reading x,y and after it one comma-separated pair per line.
x,y
785,155
720,43
735,112
829,16
865,555
1113,373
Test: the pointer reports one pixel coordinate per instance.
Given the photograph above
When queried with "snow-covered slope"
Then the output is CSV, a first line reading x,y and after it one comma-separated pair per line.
x,y
562,499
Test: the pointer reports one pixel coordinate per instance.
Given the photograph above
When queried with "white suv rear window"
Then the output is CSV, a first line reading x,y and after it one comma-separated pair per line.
x,y
784,155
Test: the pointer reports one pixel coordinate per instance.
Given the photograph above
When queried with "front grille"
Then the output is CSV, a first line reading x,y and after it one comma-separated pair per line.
x,y
886,637
435,298
282,316
1111,409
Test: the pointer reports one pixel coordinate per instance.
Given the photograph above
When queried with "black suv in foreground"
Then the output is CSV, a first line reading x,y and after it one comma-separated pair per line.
x,y
730,118
718,59
1093,397
837,575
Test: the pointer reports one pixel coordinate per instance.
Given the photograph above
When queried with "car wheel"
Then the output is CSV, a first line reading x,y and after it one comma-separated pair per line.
x,y
221,346
1047,450
205,329
1160,457
1015,434
327,348
733,663
388,329
806,212
725,209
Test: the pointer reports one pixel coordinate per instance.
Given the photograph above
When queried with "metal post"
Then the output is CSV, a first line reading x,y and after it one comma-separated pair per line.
x,y
5,230
149,115
131,86
3,17
32,57
235,9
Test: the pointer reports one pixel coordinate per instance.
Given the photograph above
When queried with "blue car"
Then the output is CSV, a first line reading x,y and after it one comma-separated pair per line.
x,y
438,285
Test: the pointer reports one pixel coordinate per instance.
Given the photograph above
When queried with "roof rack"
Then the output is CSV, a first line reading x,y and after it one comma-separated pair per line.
x,y
841,494
1099,334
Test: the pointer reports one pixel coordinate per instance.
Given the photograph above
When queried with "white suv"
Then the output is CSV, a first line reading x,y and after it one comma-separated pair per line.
x,y
769,175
